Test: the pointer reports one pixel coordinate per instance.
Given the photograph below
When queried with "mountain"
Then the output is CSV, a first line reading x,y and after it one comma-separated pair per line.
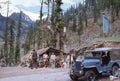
x,y
28,18
14,13
2,19
26,23
13,9
25,18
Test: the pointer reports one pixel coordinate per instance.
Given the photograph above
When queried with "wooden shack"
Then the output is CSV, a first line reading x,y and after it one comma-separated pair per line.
x,y
45,55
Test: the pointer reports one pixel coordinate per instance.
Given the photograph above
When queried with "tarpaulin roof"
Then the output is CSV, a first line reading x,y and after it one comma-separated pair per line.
x,y
47,50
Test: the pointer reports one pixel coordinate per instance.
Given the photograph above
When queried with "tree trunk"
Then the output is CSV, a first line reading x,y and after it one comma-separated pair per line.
x,y
58,40
41,14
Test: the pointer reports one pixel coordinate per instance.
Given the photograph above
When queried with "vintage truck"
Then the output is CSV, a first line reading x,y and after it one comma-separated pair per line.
x,y
97,62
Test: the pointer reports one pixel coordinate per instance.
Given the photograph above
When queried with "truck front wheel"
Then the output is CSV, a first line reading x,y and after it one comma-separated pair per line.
x,y
114,70
74,78
90,75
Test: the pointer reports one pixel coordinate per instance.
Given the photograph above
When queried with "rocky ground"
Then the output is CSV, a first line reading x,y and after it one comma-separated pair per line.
x,y
40,74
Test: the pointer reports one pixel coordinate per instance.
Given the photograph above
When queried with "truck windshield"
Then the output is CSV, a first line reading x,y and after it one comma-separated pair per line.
x,y
92,54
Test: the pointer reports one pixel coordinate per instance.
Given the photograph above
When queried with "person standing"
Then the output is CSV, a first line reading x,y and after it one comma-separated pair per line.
x,y
52,60
33,59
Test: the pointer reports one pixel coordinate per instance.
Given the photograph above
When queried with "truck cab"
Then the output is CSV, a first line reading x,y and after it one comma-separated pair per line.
x,y
100,61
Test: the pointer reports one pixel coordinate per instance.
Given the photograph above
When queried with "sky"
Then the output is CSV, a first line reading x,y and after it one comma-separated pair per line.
x,y
34,5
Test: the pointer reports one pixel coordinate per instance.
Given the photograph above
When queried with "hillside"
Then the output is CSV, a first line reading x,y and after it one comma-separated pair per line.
x,y
94,30
92,34
85,22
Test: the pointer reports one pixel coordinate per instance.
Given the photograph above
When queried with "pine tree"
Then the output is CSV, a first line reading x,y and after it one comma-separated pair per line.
x,y
74,27
48,3
6,37
17,48
58,21
34,36
117,7
38,33
29,40
53,23
11,43
26,46
53,15
80,26
39,25
30,36
84,11
1,52
95,12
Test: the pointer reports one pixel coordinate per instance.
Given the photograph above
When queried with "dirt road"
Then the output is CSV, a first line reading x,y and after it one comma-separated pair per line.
x,y
18,71
40,74
60,76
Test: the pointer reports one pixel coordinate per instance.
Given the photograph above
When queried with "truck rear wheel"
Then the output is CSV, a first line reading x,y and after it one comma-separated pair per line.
x,y
90,75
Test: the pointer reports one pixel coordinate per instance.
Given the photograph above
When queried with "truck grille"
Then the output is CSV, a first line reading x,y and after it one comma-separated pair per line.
x,y
78,65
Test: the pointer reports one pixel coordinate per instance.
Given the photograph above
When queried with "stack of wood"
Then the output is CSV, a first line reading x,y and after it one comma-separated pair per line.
x,y
111,44
90,47
98,44
25,60
2,62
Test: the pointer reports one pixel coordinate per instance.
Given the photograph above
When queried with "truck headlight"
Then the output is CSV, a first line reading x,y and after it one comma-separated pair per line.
x,y
81,72
71,72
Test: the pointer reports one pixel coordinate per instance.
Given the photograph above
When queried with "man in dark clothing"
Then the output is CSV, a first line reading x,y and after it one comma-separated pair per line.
x,y
105,58
34,56
33,62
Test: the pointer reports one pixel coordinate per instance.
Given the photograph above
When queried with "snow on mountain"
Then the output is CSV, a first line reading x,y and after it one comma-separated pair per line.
x,y
32,16
13,9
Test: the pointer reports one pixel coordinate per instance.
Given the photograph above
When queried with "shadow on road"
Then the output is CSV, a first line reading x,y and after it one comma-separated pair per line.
x,y
103,78
100,78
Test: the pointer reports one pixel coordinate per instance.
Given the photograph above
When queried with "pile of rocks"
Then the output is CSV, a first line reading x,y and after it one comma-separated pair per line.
x,y
2,62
